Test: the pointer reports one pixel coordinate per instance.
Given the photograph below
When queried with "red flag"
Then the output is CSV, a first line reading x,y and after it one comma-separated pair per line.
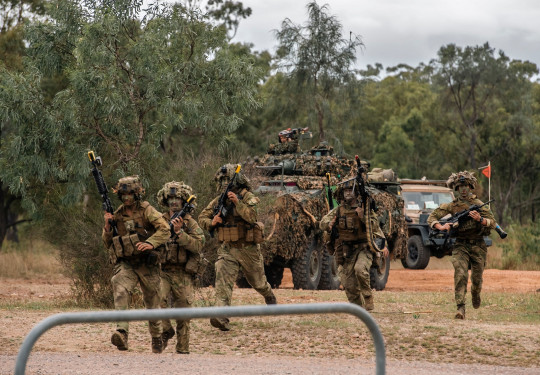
x,y
487,171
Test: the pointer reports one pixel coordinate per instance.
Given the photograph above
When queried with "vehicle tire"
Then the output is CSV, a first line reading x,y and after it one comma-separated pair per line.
x,y
329,275
378,276
306,271
417,254
241,281
274,275
404,262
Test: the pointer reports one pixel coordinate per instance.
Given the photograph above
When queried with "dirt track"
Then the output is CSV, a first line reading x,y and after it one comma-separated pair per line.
x,y
70,350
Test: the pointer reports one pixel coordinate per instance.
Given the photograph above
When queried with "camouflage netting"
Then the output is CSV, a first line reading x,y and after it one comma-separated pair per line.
x,y
390,208
290,222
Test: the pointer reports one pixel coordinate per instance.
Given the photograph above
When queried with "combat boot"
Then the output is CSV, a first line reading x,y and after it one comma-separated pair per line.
x,y
476,300
460,312
221,323
157,344
270,300
120,339
166,336
368,303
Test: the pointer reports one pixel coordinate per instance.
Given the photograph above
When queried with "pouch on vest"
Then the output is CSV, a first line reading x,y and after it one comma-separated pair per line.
x,y
230,233
128,246
255,233
182,256
172,253
134,240
350,222
119,251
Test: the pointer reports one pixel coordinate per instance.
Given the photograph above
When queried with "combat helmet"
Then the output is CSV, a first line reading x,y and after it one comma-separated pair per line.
x,y
344,185
461,178
173,189
226,172
129,185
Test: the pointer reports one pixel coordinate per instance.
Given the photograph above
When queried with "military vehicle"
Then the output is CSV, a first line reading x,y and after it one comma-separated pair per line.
x,y
420,198
293,188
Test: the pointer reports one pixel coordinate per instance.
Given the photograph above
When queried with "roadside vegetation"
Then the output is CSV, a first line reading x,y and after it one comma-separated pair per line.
x,y
118,77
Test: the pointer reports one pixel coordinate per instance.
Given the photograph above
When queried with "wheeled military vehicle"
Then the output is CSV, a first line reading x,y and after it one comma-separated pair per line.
x,y
293,188
420,198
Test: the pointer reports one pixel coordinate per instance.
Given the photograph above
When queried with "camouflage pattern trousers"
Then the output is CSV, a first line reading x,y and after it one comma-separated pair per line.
x,y
467,253
126,276
177,283
230,260
354,275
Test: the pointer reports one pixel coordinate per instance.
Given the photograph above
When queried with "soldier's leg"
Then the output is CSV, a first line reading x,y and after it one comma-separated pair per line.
x,y
460,261
478,263
164,295
349,281
123,283
151,286
252,265
226,273
361,270
183,292
227,268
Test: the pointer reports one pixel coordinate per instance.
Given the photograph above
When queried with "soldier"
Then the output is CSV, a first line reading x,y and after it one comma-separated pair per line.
x,y
288,142
352,249
181,260
239,234
141,230
469,248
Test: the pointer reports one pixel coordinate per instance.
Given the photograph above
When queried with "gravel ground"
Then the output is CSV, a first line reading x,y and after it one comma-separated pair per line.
x,y
198,364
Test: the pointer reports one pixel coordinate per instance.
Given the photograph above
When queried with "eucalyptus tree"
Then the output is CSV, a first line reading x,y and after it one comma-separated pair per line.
x,y
318,60
489,108
134,73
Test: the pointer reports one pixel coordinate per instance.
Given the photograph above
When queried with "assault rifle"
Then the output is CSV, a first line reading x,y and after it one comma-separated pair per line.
x,y
461,216
221,209
102,188
329,193
361,182
186,209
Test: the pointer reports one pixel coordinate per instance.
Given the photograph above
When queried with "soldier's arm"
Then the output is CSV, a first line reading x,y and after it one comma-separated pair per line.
x,y
107,237
246,207
206,216
192,238
437,213
486,214
162,234
375,224
327,219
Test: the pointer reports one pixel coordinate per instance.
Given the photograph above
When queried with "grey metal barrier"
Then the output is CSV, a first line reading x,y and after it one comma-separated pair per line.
x,y
203,312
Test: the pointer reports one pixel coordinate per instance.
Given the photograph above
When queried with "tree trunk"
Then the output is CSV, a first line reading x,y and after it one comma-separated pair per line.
x,y
320,118
3,215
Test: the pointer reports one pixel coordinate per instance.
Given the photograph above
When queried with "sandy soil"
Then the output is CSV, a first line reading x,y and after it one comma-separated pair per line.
x,y
70,350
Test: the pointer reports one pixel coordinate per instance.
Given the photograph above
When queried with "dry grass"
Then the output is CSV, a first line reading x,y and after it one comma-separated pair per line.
x,y
32,258
415,326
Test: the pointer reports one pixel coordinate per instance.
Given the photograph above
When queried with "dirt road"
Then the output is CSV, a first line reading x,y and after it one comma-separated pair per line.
x,y
255,347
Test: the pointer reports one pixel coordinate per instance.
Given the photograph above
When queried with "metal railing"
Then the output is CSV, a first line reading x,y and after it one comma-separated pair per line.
x,y
203,312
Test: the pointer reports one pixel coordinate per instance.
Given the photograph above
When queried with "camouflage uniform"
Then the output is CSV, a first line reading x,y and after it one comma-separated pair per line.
x,y
352,252
291,147
469,250
131,266
236,252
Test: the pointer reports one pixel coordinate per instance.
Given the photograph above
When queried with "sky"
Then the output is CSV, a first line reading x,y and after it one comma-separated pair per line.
x,y
409,31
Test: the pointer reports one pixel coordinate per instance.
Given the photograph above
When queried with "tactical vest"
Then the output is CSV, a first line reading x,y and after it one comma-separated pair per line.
x,y
131,230
237,230
350,227
470,228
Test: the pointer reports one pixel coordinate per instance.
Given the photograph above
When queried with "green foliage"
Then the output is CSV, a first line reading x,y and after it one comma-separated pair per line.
x,y
521,249
318,62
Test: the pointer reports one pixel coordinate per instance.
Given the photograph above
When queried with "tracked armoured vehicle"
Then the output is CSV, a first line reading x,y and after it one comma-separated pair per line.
x,y
293,188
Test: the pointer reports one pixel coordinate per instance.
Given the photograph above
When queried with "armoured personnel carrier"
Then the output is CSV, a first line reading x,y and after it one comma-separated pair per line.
x,y
293,186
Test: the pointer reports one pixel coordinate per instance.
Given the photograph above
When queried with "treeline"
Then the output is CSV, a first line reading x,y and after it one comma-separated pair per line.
x,y
164,93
